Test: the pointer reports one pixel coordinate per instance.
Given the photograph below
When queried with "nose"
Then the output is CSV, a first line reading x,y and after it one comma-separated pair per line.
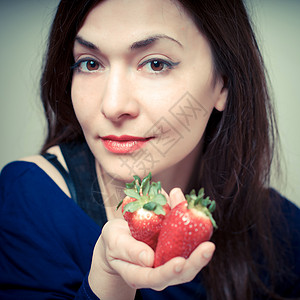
x,y
118,99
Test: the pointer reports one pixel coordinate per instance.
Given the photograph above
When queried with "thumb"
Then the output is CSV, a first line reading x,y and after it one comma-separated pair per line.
x,y
176,196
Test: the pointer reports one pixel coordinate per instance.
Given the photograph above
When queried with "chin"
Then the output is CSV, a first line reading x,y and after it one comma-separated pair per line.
x,y
117,172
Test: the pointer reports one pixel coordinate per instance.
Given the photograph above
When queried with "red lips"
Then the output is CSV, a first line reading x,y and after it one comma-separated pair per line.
x,y
124,143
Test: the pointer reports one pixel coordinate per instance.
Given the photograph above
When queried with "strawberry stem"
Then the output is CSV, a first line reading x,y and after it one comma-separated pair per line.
x,y
200,203
147,194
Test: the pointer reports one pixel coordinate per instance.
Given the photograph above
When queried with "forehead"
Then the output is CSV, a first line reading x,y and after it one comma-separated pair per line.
x,y
132,19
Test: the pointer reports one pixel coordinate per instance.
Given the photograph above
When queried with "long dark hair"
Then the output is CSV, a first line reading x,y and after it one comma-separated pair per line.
x,y
57,74
238,149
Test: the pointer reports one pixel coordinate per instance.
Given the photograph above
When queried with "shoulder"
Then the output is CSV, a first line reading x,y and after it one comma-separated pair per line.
x,y
49,169
286,231
286,222
288,209
285,217
17,171
27,168
27,191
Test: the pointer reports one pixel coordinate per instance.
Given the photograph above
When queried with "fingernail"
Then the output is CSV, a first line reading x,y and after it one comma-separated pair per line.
x,y
207,255
177,194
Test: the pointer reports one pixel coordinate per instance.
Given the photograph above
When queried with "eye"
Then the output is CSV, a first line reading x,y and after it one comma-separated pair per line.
x,y
157,66
91,65
87,65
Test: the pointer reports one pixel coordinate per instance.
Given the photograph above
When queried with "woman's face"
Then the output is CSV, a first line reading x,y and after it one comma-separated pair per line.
x,y
143,86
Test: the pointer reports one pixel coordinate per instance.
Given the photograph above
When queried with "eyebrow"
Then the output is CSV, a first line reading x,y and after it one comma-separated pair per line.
x,y
85,43
151,39
136,45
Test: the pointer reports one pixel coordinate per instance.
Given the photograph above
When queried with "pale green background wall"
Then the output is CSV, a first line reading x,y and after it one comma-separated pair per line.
x,y
23,30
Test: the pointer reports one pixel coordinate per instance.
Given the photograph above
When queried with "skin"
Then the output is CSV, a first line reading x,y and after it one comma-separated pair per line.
x,y
123,93
116,90
121,261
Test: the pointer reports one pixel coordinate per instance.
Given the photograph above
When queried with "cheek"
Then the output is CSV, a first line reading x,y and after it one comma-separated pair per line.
x,y
180,107
191,107
188,116
191,117
83,100
179,129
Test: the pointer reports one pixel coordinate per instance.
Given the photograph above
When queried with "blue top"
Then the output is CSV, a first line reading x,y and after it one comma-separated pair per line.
x,y
47,240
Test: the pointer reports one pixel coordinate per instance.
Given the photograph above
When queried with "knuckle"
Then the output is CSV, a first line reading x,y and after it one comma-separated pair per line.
x,y
159,288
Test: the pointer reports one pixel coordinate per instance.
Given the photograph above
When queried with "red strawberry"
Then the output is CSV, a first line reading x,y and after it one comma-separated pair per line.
x,y
186,226
144,208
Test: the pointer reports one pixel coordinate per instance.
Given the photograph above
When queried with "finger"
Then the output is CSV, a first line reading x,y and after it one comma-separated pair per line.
x,y
184,270
163,192
199,258
121,245
205,251
145,277
176,271
129,249
168,273
176,196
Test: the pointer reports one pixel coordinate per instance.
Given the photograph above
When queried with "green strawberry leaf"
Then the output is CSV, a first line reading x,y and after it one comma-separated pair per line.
x,y
212,206
150,206
159,210
145,186
154,188
158,186
120,203
130,185
205,201
137,183
213,221
198,201
193,193
138,188
201,193
137,179
132,206
132,193
160,199
188,198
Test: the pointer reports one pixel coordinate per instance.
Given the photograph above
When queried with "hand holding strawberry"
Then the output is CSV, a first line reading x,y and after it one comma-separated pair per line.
x,y
119,257
144,208
170,233
187,225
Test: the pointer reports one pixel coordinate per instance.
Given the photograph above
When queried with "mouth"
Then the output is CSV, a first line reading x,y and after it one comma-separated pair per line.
x,y
123,144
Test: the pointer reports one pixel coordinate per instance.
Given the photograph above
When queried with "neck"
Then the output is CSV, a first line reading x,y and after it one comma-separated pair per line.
x,y
111,191
180,174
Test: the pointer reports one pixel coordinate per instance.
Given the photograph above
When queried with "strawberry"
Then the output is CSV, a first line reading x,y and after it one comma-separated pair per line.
x,y
186,226
144,208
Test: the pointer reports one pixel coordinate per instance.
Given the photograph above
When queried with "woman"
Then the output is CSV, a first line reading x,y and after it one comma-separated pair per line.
x,y
175,87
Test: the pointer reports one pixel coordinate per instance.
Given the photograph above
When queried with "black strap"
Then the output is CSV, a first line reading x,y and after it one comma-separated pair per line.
x,y
54,161
138,295
81,165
